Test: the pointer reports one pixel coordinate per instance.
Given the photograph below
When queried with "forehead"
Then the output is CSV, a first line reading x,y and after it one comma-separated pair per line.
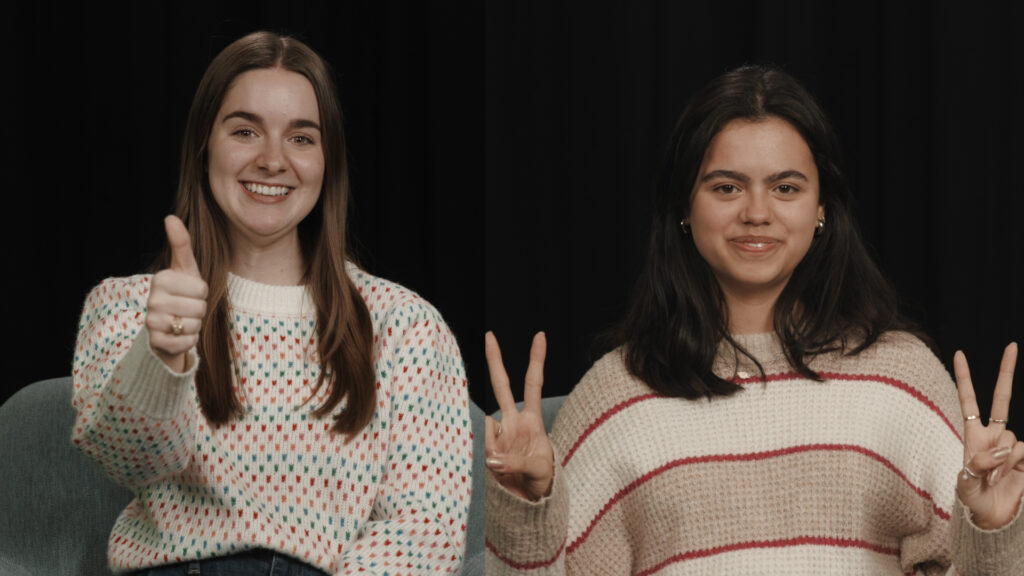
x,y
272,93
759,147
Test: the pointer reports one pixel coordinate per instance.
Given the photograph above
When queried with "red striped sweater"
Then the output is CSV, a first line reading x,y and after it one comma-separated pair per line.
x,y
854,475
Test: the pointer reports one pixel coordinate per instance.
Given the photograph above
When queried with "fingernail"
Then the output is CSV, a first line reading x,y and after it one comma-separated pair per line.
x,y
993,477
496,464
1001,453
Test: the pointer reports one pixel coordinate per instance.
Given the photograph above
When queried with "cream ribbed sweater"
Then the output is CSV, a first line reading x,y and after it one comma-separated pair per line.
x,y
854,475
391,501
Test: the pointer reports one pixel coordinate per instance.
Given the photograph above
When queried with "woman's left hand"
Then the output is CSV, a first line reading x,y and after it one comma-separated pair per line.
x,y
992,480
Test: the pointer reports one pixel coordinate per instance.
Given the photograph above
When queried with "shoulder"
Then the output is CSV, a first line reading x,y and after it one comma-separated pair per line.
x,y
903,361
395,308
121,294
605,388
900,355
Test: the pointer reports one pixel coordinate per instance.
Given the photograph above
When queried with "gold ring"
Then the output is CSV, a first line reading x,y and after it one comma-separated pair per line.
x,y
971,417
176,326
1002,421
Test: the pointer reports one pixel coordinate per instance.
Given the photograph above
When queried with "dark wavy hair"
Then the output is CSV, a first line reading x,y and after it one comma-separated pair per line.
x,y
676,318
344,330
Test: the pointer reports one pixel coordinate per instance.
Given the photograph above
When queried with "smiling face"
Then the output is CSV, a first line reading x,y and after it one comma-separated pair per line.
x,y
754,207
266,162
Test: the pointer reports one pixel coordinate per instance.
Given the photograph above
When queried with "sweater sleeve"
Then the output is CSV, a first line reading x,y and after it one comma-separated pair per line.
x,y
978,552
132,413
418,521
523,537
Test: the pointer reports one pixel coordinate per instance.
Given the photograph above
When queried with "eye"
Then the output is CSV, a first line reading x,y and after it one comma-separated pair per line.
x,y
787,189
726,189
243,133
303,140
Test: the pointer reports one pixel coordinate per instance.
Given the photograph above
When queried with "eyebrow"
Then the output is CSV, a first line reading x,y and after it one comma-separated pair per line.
x,y
257,119
793,174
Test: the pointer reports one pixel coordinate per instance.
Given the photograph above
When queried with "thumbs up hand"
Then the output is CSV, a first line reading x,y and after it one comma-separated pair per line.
x,y
177,301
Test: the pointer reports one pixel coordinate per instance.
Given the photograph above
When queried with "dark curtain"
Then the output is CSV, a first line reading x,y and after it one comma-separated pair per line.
x,y
502,152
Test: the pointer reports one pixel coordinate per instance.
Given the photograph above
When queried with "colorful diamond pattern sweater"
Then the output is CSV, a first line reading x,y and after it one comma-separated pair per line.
x,y
852,475
393,500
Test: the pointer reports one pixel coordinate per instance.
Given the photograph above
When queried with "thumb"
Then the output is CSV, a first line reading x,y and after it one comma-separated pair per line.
x,y
182,258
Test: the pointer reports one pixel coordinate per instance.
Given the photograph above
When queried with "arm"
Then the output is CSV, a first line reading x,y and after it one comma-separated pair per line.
x,y
527,499
418,522
133,414
988,534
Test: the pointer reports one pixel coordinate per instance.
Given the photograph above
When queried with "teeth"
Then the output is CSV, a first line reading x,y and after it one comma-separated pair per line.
x,y
263,190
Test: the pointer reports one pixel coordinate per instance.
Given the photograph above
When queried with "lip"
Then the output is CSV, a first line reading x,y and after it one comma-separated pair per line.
x,y
754,244
261,199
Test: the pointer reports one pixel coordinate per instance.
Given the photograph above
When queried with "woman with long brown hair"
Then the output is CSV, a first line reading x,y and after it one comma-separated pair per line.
x,y
270,402
765,409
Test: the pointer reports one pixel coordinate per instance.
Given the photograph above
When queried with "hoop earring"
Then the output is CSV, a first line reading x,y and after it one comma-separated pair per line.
x,y
685,226
819,227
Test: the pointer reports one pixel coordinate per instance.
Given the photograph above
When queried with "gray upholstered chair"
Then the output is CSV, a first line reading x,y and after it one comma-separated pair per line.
x,y
56,508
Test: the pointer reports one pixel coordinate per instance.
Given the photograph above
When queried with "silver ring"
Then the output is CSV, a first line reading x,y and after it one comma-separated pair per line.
x,y
969,472
1002,421
971,417
176,325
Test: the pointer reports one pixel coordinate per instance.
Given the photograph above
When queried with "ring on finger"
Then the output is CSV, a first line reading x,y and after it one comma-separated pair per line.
x,y
968,472
971,417
1002,421
177,327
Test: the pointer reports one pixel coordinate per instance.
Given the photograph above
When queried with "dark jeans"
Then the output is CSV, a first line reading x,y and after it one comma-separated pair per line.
x,y
251,563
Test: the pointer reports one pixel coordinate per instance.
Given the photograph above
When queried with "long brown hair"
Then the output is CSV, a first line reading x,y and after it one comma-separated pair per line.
x,y
344,331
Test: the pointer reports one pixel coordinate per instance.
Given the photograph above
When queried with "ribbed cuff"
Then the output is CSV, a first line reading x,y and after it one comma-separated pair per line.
x,y
523,532
979,552
143,382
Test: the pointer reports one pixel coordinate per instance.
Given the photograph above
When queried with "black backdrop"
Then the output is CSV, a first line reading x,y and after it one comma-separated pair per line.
x,y
502,152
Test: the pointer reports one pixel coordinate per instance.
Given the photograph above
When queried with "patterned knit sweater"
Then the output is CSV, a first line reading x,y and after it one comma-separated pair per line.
x,y
854,475
393,500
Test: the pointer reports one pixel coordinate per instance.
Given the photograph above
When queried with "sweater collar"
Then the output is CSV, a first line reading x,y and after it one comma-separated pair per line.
x,y
251,296
765,347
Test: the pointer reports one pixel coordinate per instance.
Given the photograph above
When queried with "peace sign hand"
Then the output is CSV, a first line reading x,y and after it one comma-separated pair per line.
x,y
992,480
518,450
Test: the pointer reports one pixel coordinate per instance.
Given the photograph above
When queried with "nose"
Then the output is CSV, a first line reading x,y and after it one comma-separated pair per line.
x,y
272,158
757,209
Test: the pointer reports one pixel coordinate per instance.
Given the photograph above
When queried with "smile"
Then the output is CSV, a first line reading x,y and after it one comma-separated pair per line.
x,y
755,245
265,190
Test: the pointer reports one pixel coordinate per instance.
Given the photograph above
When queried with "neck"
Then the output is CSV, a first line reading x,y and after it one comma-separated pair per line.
x,y
279,263
750,313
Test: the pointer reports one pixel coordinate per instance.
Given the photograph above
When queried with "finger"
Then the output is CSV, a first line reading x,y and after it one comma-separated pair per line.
x,y
161,322
535,374
499,378
965,390
170,345
182,258
180,283
1004,384
1005,443
183,306
490,436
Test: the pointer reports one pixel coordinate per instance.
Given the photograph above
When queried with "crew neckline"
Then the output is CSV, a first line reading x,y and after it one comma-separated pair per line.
x,y
249,295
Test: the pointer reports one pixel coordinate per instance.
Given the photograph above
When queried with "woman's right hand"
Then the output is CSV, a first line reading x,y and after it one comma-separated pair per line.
x,y
518,450
177,301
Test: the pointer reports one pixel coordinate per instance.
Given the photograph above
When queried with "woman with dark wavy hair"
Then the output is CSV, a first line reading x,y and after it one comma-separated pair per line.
x,y
272,404
765,409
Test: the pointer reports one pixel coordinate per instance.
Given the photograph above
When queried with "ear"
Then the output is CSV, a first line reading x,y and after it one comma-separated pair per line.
x,y
821,211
